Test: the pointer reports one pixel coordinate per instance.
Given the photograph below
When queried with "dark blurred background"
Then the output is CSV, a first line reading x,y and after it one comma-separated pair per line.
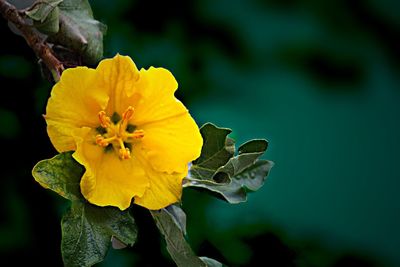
x,y
318,79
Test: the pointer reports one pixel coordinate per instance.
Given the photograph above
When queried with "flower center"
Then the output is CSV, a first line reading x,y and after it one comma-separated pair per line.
x,y
115,132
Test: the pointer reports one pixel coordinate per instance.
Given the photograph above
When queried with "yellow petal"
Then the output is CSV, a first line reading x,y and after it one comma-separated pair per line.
x,y
170,144
165,189
74,103
159,161
172,138
156,87
119,75
108,180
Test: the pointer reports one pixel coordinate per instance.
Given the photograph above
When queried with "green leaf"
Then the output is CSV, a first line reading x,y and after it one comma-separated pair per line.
x,y
248,154
79,31
230,178
211,262
61,174
178,215
251,179
87,231
216,151
177,246
45,15
169,222
117,244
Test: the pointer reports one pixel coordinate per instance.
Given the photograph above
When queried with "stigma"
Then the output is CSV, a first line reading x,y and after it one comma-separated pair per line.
x,y
115,132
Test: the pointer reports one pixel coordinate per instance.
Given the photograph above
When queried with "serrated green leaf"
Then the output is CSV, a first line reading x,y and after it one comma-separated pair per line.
x,y
231,178
216,151
79,31
62,174
45,15
87,231
177,246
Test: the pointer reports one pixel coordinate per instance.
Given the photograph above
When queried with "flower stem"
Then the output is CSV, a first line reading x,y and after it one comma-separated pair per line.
x,y
38,45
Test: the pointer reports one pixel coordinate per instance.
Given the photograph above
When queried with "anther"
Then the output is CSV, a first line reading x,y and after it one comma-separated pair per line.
x,y
136,134
105,121
124,153
125,118
114,131
101,141
128,113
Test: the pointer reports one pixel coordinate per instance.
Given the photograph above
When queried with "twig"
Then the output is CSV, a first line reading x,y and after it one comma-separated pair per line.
x,y
38,45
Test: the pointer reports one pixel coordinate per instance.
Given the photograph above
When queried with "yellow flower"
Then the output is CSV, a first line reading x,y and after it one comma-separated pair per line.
x,y
126,127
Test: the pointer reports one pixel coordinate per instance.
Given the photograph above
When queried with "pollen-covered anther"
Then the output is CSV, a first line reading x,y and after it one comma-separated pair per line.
x,y
124,153
137,134
128,113
105,121
100,140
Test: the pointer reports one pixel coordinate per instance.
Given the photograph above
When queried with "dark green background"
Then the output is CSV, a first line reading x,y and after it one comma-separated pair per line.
x,y
318,79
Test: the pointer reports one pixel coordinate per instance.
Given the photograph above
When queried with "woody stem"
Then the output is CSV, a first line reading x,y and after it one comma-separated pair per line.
x,y
38,45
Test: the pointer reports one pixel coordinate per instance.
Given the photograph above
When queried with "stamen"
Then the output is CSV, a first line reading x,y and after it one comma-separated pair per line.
x,y
101,141
124,152
105,121
125,118
128,113
116,132
136,134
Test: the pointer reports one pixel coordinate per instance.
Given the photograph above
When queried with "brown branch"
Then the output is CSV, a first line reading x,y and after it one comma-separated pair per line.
x,y
38,45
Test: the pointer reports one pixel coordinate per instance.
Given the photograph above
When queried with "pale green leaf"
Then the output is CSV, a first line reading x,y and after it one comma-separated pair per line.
x,y
216,151
62,174
40,10
45,15
177,246
178,215
251,179
79,31
211,262
229,177
87,231
117,244
248,153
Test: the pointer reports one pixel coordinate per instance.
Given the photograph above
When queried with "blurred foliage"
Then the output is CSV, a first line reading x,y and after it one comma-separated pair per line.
x,y
15,66
318,79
